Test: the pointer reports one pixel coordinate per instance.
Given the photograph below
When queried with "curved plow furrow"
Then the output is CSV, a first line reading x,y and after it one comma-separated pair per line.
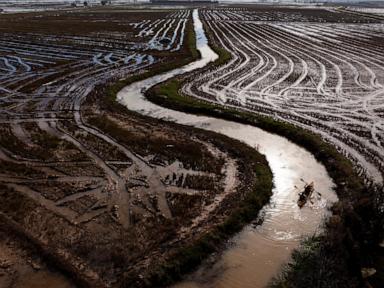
x,y
325,78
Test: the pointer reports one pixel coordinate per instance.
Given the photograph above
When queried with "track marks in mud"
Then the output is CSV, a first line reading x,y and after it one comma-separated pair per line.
x,y
44,87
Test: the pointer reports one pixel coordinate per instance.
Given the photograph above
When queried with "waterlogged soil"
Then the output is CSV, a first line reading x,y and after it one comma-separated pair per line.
x,y
324,75
109,195
104,194
173,187
21,268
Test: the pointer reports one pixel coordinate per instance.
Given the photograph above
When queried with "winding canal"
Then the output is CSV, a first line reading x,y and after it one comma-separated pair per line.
x,y
256,254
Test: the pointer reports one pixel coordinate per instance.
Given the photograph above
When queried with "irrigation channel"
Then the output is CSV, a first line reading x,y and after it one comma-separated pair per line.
x,y
256,254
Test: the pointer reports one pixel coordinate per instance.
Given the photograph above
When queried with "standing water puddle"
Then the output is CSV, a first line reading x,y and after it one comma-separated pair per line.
x,y
257,253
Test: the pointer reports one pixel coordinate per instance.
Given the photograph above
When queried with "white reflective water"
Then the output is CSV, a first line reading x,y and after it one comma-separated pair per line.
x,y
256,254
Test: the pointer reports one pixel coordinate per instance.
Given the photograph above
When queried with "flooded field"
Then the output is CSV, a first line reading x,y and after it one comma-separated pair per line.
x,y
324,75
111,191
91,181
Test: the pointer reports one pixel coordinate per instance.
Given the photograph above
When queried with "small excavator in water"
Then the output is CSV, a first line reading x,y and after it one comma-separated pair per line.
x,y
306,194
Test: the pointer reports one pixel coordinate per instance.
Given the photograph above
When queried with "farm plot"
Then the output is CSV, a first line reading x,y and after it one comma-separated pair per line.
x,y
284,13
325,77
164,34
101,192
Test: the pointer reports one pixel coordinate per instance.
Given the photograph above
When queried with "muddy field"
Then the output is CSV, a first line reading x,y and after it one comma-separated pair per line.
x,y
102,195
325,75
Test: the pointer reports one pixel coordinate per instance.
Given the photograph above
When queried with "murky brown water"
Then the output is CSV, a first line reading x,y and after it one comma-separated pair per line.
x,y
257,253
248,262
40,279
